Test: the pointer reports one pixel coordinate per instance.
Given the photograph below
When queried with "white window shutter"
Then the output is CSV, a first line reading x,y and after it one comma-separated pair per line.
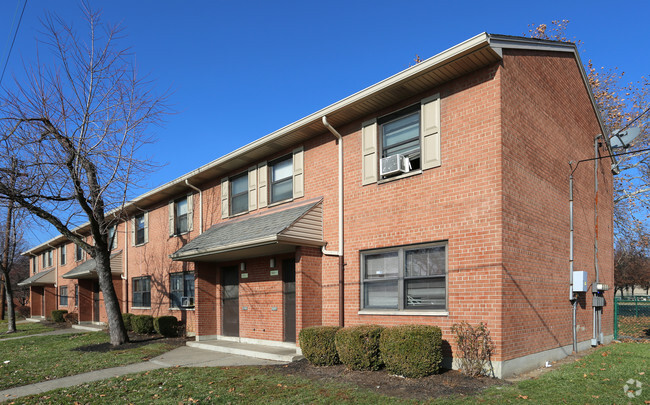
x,y
430,132
262,180
171,218
225,192
132,221
369,152
298,172
190,212
146,227
252,188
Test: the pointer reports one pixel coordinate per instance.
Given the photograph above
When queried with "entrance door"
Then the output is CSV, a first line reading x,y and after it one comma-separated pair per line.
x,y
96,301
289,292
230,301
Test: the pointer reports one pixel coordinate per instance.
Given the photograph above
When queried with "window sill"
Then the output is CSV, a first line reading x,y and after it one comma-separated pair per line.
x,y
288,200
239,214
139,244
401,176
140,307
180,234
406,312
181,309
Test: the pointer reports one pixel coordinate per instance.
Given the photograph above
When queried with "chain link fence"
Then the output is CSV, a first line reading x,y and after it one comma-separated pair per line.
x,y
632,317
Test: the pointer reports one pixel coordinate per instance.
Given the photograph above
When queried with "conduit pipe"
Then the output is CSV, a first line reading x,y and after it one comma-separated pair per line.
x,y
340,250
200,204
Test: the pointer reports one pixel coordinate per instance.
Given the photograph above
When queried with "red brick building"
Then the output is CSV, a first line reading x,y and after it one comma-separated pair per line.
x,y
435,196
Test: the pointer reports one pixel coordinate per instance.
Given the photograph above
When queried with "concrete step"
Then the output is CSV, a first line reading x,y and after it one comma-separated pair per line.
x,y
89,327
258,351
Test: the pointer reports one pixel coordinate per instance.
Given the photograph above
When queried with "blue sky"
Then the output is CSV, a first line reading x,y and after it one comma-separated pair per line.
x,y
240,70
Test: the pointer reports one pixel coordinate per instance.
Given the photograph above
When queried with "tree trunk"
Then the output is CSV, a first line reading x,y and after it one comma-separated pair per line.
x,y
116,328
11,313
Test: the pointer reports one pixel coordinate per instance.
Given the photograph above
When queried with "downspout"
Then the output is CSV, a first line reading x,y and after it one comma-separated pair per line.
x,y
125,276
200,204
572,297
338,253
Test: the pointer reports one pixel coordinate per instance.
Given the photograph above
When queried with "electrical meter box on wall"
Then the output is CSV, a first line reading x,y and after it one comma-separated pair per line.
x,y
580,283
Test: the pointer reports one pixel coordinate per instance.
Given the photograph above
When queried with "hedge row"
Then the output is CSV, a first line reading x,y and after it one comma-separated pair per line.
x,y
58,315
146,324
408,350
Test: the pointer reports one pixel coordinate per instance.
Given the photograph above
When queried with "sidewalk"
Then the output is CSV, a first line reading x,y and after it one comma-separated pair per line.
x,y
183,356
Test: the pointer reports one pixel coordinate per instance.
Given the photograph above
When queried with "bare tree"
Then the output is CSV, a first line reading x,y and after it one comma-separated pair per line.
x,y
75,124
620,103
11,241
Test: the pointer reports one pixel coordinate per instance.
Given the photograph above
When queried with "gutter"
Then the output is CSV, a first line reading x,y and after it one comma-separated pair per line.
x,y
340,251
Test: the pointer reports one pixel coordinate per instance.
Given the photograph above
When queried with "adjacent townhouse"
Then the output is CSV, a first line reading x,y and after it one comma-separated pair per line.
x,y
435,196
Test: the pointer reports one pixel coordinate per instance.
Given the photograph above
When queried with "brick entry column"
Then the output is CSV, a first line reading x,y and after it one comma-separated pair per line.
x,y
206,298
308,288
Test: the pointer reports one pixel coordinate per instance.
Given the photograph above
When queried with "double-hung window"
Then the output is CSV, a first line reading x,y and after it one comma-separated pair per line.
x,y
239,194
79,253
180,214
34,264
63,296
63,255
181,286
112,238
403,278
47,259
139,224
281,179
142,292
400,134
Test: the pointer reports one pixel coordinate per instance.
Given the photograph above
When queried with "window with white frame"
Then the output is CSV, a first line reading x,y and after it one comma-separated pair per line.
x,y
239,194
403,278
47,259
181,285
34,264
400,134
180,216
142,292
63,296
112,238
140,229
79,253
62,254
281,176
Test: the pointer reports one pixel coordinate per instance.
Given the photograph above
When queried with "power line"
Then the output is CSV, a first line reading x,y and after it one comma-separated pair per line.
x,y
4,69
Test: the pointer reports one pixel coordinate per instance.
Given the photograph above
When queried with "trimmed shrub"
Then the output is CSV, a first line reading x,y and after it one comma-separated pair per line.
x,y
166,325
127,318
72,318
474,348
57,315
318,346
358,347
411,350
142,324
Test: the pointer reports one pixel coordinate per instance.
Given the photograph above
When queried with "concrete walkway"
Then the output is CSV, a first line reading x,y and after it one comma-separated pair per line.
x,y
183,356
54,332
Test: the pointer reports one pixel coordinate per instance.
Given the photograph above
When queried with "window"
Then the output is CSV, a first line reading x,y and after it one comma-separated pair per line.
x,y
142,292
47,259
112,238
34,264
62,254
63,296
79,253
180,216
413,132
400,134
181,285
410,277
139,224
76,295
239,194
281,179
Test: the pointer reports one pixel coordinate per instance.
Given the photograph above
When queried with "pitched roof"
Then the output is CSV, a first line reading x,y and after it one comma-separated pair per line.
x,y
46,277
297,225
88,268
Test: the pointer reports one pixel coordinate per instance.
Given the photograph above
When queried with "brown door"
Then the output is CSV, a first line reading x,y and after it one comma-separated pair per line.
x,y
230,301
96,301
289,292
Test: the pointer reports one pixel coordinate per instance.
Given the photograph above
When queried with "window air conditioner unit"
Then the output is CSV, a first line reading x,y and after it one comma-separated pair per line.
x,y
394,164
187,302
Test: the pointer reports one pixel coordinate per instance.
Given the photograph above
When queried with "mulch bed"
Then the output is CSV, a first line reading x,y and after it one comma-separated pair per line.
x,y
448,382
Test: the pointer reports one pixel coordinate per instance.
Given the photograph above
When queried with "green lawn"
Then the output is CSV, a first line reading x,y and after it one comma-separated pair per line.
x,y
597,378
40,358
23,329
